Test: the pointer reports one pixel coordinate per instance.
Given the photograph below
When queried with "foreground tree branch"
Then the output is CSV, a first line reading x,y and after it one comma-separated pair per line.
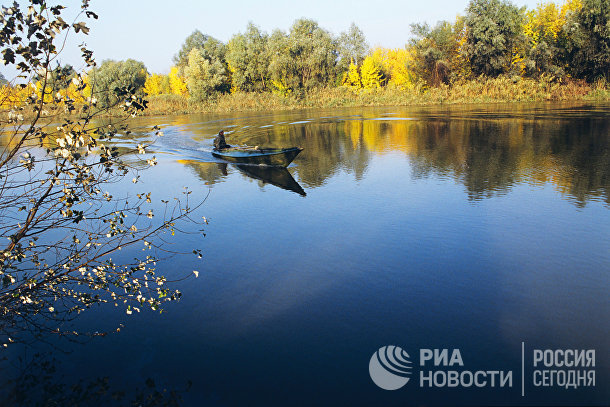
x,y
57,163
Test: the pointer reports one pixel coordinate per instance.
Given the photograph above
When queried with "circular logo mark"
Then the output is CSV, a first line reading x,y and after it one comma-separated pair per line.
x,y
390,367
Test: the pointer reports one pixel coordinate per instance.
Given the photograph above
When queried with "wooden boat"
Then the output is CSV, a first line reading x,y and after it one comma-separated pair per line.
x,y
279,157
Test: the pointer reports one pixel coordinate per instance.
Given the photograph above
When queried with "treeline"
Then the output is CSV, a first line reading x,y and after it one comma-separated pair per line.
x,y
495,38
100,85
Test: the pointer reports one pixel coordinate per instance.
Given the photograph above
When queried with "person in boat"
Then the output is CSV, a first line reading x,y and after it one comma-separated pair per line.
x,y
219,141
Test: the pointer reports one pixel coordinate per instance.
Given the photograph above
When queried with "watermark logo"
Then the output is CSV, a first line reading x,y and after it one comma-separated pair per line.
x,y
564,369
390,367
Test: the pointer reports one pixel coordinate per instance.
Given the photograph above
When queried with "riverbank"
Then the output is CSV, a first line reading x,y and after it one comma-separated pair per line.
x,y
483,90
497,90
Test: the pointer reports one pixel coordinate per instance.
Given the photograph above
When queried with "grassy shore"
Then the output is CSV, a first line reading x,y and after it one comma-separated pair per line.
x,y
497,90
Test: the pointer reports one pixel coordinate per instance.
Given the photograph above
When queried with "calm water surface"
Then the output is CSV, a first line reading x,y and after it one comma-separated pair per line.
x,y
481,228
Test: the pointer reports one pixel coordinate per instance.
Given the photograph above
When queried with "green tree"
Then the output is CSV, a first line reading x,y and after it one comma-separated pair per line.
x,y
62,228
493,34
196,40
3,80
435,50
248,60
282,67
204,78
113,76
351,47
212,50
589,49
305,58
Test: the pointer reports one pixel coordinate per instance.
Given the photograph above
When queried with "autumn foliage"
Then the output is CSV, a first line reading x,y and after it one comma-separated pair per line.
x,y
561,41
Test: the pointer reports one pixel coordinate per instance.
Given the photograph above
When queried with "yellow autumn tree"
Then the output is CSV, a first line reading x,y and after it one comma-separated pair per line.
x,y
73,93
351,78
11,96
570,7
152,86
460,64
370,73
395,65
8,97
232,70
546,21
278,87
544,29
541,22
177,83
157,84
46,93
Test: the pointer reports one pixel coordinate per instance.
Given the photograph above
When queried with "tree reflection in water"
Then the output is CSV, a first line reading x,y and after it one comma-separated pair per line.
x,y
487,150
37,381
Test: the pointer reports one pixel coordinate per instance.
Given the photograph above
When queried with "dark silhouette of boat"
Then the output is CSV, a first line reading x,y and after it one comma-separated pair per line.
x,y
278,176
279,157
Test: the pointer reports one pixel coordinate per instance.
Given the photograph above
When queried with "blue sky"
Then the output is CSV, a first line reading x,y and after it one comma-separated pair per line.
x,y
152,31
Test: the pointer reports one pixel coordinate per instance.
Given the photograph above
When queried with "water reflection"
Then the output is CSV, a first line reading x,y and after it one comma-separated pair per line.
x,y
487,151
209,173
34,381
212,173
278,176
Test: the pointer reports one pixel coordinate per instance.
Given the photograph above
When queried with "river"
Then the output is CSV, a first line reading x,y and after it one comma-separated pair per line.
x,y
481,229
